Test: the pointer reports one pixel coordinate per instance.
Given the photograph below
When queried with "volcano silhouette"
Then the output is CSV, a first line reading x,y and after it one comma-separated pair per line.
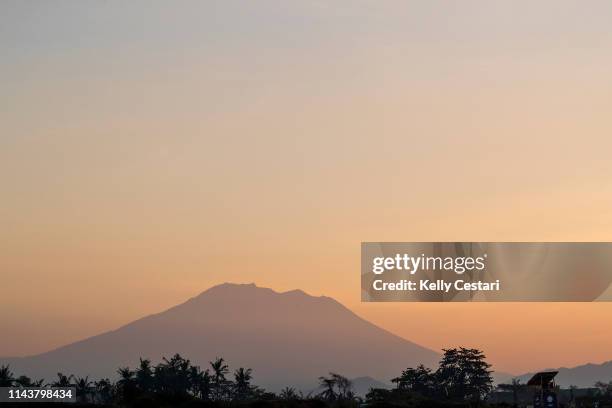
x,y
288,339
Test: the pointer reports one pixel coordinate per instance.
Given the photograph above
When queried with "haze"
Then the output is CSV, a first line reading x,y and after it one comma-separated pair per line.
x,y
149,150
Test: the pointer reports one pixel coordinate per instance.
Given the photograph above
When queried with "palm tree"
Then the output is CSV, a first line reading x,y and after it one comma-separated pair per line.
x,y
104,390
288,393
83,387
242,384
127,384
172,376
6,376
62,380
219,383
126,375
199,382
144,375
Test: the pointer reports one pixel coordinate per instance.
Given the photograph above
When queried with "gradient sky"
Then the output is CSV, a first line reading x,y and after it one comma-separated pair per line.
x,y
151,149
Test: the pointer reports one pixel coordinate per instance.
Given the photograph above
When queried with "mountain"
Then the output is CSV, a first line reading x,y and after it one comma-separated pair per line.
x,y
581,376
289,339
606,296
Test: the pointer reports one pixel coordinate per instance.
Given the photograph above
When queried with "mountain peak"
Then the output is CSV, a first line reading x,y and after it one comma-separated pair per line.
x,y
232,285
232,288
227,288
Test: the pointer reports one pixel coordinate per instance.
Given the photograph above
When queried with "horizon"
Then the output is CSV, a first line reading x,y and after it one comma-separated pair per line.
x,y
282,292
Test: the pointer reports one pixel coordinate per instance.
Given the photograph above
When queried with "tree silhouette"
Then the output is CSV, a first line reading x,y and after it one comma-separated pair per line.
x,y
219,384
242,383
144,375
83,388
604,388
200,382
172,376
344,385
289,393
464,374
63,380
25,381
6,376
328,384
105,391
126,386
419,379
463,378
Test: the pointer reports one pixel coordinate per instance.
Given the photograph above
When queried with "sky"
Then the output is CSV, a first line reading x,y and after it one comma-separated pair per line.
x,y
150,150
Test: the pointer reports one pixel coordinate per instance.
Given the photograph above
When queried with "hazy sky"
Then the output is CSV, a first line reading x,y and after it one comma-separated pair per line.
x,y
149,150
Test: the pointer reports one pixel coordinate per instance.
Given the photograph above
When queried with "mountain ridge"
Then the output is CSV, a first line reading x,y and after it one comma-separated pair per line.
x,y
288,338
583,376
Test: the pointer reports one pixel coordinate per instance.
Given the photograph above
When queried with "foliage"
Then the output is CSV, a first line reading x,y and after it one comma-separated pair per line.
x,y
604,388
335,387
6,376
420,380
462,380
463,376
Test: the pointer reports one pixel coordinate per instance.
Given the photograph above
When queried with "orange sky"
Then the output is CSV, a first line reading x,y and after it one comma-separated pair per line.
x,y
146,155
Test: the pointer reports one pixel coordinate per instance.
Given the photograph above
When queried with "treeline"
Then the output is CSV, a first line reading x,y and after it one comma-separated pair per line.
x,y
462,379
177,382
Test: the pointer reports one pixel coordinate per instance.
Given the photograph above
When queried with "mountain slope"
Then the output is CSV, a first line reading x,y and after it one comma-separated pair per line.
x,y
288,338
583,376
